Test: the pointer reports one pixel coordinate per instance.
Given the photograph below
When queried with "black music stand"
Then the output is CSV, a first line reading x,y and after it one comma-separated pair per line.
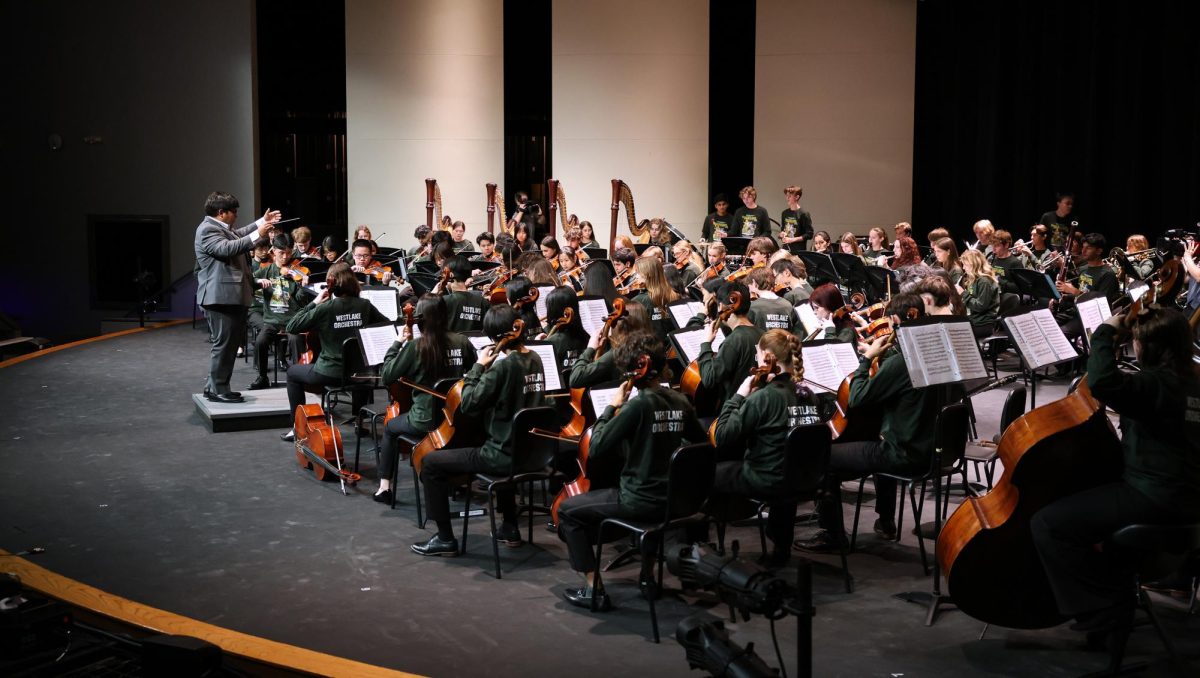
x,y
424,267
735,245
422,283
602,263
850,269
641,247
1034,284
877,282
820,268
389,251
596,252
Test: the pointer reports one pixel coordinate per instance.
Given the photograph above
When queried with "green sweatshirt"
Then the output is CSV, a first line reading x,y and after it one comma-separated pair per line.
x,y
982,299
909,414
588,370
653,425
725,370
466,310
771,314
761,422
283,299
1160,421
496,394
405,362
335,321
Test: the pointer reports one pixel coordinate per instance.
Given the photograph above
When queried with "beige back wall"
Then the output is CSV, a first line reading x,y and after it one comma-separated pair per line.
x,y
834,109
423,99
630,89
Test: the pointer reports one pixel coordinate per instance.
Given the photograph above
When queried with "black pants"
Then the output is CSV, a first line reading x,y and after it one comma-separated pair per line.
x,y
389,446
853,460
579,519
228,325
438,468
730,485
1066,533
301,378
266,337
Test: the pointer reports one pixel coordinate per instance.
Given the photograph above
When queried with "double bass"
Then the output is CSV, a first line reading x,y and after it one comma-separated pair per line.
x,y
690,384
986,548
450,430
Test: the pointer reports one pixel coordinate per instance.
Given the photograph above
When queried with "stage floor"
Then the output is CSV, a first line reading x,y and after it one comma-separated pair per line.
x,y
109,467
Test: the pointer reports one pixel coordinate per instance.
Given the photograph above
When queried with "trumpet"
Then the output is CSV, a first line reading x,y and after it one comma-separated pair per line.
x,y
1140,255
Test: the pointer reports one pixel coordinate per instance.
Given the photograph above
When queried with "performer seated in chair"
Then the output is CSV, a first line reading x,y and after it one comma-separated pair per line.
x,y
723,370
285,295
588,370
438,354
647,428
760,420
905,444
336,315
1160,485
466,307
494,390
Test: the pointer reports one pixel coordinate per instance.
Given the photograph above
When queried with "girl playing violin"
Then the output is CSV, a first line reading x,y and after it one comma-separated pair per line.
x,y
656,295
493,391
759,416
438,354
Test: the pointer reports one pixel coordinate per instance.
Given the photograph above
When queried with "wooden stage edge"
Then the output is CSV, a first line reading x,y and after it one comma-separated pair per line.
x,y
257,650
54,349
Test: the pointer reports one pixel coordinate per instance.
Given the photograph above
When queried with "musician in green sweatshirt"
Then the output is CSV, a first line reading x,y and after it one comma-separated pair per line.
x,y
500,384
906,437
646,429
723,370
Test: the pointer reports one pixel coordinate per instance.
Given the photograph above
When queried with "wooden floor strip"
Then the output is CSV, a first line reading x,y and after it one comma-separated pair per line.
x,y
256,649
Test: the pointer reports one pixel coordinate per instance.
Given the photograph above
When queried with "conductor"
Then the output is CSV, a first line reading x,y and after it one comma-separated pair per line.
x,y
223,284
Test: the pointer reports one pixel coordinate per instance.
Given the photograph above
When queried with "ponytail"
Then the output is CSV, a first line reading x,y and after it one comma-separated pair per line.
x,y
787,349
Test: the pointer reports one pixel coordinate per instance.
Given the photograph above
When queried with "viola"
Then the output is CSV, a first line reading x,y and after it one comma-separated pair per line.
x,y
761,374
690,384
743,272
986,548
319,444
443,283
581,483
400,395
449,431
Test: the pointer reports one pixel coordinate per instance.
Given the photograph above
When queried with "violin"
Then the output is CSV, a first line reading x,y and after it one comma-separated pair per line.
x,y
743,272
450,429
581,483
400,396
690,384
986,547
761,375
497,295
296,273
376,271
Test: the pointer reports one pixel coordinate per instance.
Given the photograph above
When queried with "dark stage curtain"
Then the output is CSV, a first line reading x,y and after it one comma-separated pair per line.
x,y
1018,100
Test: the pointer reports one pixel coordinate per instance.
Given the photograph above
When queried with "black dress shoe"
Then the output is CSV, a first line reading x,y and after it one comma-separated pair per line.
x,y
509,535
384,497
582,597
260,383
886,529
821,542
233,397
436,546
289,437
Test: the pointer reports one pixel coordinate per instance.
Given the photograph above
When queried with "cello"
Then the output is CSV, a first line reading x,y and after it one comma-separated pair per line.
x,y
690,383
986,548
581,483
319,444
446,432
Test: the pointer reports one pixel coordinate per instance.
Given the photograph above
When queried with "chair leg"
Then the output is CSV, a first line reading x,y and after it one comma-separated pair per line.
x,y
857,507
1195,590
843,552
462,548
416,495
916,508
720,537
596,571
1144,599
762,530
651,594
900,512
491,509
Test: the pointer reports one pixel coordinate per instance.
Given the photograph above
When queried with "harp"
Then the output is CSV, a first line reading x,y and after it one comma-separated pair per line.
x,y
495,203
621,195
433,202
557,200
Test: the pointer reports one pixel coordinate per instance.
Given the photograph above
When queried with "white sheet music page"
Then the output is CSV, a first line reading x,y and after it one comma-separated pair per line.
x,y
376,341
480,342
809,318
601,397
927,354
1063,350
543,291
549,365
1093,313
820,366
1031,343
681,313
690,340
592,313
385,301
967,359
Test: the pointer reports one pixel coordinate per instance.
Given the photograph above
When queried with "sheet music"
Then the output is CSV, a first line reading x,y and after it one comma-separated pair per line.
x,y
376,341
1093,313
810,321
683,311
540,306
386,301
592,313
601,397
829,364
1063,350
479,341
545,351
1136,290
940,353
689,342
